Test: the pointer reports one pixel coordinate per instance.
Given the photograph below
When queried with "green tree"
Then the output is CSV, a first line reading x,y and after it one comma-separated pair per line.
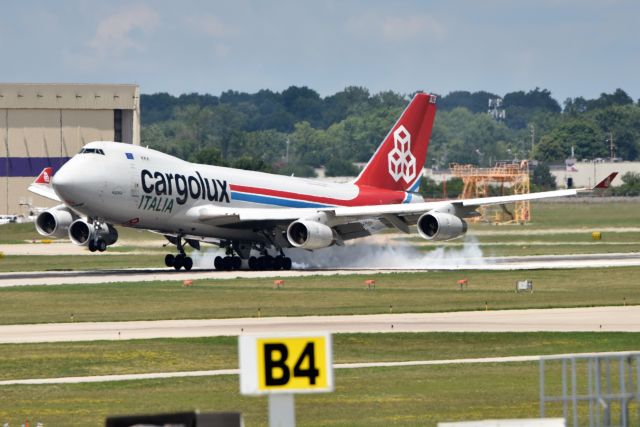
x,y
581,134
542,179
340,167
630,185
208,156
477,102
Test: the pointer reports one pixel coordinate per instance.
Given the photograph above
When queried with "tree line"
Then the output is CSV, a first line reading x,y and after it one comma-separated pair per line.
x,y
297,130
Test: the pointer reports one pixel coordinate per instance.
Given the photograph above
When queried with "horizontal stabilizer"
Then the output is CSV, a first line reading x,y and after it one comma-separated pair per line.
x,y
42,185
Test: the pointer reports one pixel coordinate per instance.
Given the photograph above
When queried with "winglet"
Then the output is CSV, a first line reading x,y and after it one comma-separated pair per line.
x,y
605,183
42,185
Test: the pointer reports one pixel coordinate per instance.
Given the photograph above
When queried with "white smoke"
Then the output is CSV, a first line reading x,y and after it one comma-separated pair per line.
x,y
382,251
204,258
390,254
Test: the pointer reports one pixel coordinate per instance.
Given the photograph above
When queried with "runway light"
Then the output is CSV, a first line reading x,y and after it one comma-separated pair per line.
x,y
278,283
371,284
187,282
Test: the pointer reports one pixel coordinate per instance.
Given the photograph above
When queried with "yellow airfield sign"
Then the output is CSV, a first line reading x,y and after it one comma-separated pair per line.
x,y
291,363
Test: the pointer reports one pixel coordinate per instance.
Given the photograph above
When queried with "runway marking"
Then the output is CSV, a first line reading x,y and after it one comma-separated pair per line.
x,y
224,372
220,372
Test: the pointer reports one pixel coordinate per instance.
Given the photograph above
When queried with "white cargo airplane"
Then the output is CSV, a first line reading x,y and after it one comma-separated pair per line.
x,y
252,213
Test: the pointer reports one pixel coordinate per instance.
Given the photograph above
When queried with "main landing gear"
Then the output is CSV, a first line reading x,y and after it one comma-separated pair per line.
x,y
264,262
179,261
237,252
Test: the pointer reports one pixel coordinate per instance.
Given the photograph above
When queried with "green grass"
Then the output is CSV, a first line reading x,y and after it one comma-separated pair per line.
x,y
382,396
95,261
52,360
559,249
407,396
318,295
534,249
585,214
26,232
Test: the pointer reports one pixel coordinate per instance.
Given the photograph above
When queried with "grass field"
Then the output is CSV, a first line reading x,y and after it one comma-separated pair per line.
x,y
52,360
318,295
95,261
26,232
413,396
385,396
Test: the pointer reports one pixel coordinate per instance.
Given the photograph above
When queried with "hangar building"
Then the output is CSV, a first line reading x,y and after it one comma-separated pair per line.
x,y
46,124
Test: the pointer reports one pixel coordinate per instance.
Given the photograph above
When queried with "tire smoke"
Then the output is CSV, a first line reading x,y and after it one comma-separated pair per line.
x,y
390,254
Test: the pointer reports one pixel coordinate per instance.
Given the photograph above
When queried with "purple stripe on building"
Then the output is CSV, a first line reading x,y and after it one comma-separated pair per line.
x,y
29,166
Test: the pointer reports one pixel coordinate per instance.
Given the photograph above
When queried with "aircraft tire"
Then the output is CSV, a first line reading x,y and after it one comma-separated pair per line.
x,y
286,263
228,263
236,262
92,246
267,262
178,262
169,259
187,263
278,262
218,263
101,245
253,263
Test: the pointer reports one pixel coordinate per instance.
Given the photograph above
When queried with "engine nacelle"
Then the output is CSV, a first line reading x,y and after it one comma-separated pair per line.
x,y
307,234
440,226
81,233
55,221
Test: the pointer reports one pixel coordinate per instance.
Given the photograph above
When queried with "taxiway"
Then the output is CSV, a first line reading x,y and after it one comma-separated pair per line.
x,y
585,319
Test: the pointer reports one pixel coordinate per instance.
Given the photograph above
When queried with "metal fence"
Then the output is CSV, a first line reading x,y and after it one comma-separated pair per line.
x,y
599,389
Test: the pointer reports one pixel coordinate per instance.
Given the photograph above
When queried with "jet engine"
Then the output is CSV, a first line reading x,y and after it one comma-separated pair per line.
x,y
440,226
84,234
55,221
307,234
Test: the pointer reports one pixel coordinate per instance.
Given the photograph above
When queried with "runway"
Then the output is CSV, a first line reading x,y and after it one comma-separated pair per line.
x,y
485,263
585,319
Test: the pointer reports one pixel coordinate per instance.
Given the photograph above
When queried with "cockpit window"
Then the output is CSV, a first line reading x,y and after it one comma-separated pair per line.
x,y
91,151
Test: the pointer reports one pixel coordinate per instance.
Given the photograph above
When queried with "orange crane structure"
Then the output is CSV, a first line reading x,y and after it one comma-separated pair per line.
x,y
505,178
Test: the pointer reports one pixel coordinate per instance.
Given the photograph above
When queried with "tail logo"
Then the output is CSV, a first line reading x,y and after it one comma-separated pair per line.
x,y
402,163
46,177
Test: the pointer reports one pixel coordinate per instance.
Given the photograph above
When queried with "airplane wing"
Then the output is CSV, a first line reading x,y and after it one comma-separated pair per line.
x,y
42,185
407,214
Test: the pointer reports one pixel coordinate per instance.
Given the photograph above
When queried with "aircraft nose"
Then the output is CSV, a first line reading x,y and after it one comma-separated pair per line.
x,y
65,181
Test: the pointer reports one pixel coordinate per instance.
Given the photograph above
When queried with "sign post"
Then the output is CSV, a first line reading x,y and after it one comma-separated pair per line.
x,y
282,365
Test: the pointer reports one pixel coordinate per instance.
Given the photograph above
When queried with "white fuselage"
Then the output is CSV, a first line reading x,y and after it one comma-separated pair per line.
x,y
143,188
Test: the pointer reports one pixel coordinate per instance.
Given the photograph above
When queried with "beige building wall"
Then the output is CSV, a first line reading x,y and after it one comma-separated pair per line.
x,y
33,133
45,124
80,127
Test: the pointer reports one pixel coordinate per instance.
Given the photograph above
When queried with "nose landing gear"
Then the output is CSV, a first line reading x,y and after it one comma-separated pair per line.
x,y
97,245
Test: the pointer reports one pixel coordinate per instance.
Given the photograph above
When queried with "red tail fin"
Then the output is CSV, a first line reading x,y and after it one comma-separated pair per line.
x,y
45,176
606,183
398,162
